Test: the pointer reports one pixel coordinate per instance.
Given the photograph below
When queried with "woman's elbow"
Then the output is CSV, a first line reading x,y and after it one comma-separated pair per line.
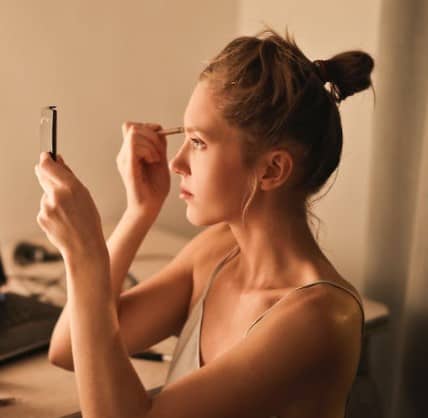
x,y
59,359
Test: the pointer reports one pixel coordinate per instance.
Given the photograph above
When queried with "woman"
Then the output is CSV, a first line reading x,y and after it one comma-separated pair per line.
x,y
267,326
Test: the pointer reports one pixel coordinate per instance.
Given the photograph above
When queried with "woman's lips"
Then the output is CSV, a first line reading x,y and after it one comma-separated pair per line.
x,y
184,193
183,190
185,196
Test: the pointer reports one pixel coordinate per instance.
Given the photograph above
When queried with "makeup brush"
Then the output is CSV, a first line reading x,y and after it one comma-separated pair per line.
x,y
171,131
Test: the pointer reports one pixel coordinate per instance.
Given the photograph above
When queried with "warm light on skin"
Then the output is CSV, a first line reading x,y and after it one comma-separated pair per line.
x,y
219,182
212,170
210,159
202,132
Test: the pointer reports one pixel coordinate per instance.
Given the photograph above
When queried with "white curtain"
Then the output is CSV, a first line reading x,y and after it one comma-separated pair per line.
x,y
397,244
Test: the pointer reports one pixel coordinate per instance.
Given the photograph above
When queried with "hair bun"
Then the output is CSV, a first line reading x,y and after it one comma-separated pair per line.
x,y
348,72
321,70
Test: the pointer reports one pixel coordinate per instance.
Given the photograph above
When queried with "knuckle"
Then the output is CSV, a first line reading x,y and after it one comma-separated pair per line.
x,y
132,130
43,203
120,154
44,162
40,219
61,195
46,211
68,190
126,125
55,203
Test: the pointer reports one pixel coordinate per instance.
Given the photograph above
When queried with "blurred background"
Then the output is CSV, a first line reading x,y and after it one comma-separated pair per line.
x,y
105,62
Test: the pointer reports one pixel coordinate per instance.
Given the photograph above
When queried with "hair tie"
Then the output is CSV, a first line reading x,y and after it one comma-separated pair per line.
x,y
321,70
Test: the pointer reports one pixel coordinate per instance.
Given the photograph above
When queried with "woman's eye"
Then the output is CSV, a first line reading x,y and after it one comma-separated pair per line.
x,y
196,143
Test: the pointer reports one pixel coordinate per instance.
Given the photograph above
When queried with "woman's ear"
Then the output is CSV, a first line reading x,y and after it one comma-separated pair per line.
x,y
275,168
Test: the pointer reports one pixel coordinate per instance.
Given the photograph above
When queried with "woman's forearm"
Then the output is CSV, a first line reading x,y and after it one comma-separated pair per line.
x,y
107,383
122,245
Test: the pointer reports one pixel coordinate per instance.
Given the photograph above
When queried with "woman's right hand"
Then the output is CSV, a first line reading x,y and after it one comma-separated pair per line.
x,y
143,166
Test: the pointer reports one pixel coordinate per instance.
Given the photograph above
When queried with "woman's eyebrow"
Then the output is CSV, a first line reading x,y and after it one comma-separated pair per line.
x,y
193,129
203,132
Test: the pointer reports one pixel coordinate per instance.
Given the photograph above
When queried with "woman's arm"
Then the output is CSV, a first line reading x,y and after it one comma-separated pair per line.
x,y
304,342
122,246
143,167
107,383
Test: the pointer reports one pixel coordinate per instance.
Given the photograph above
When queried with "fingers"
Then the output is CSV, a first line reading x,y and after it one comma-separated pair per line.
x,y
51,195
55,178
145,132
154,126
46,183
145,152
41,216
45,205
137,149
127,125
52,169
149,153
61,160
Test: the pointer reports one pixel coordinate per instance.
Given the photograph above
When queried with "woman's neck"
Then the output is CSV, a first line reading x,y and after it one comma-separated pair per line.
x,y
277,253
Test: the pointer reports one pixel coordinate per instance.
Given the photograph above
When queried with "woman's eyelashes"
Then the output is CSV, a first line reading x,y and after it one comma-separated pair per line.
x,y
197,143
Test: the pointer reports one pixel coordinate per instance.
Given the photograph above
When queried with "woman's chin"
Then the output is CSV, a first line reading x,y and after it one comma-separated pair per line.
x,y
197,220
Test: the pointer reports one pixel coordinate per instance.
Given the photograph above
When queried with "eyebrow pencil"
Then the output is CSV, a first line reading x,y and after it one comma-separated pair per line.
x,y
171,131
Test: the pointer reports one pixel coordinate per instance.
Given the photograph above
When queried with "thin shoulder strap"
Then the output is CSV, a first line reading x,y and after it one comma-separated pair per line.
x,y
217,268
356,297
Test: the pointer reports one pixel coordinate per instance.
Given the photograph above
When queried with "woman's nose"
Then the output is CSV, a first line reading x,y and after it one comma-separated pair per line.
x,y
178,164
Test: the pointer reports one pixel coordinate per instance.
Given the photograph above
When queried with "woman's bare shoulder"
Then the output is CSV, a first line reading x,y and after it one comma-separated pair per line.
x,y
336,313
344,301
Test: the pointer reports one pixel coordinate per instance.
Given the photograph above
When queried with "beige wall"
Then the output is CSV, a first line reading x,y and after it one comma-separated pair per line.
x,y
323,29
103,62
100,62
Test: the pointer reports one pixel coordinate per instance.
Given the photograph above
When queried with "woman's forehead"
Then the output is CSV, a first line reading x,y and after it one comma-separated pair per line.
x,y
203,116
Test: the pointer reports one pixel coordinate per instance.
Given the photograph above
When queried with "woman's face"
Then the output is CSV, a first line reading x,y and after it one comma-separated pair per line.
x,y
209,162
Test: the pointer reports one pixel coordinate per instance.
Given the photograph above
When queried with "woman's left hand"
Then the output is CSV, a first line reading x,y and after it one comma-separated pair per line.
x,y
68,214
